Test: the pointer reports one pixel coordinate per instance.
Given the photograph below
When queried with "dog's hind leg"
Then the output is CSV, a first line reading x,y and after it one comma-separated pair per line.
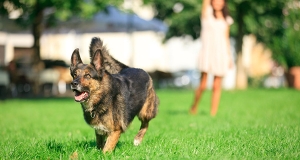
x,y
139,137
147,113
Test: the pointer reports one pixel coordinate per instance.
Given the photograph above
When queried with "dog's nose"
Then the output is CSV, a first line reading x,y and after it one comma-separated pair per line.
x,y
74,83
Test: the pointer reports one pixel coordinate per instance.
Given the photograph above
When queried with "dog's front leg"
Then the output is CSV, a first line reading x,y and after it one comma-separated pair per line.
x,y
112,141
100,139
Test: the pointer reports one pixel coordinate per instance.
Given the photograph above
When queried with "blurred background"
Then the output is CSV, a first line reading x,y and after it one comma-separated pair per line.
x,y
37,38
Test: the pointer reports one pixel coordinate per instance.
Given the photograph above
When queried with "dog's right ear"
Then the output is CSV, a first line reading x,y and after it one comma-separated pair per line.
x,y
75,59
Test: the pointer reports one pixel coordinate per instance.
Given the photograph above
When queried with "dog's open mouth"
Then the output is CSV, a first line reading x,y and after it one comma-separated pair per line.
x,y
80,96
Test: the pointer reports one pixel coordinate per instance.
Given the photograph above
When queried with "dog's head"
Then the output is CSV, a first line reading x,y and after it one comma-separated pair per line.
x,y
86,77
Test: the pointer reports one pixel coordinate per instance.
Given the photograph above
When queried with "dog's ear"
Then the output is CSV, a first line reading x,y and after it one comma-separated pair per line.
x,y
97,62
75,59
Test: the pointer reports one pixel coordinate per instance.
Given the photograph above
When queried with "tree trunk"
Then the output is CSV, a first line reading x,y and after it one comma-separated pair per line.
x,y
241,76
37,29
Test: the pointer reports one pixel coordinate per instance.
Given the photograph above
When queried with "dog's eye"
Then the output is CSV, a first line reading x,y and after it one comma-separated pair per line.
x,y
87,76
74,75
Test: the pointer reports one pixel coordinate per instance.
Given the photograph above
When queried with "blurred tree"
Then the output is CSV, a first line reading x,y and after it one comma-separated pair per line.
x,y
286,48
40,14
263,18
182,16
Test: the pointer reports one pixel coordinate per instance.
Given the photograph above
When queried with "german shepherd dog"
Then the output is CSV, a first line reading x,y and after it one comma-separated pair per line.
x,y
111,94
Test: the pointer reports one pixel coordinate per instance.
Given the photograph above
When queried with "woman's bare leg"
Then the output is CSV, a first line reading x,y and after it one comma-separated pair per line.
x,y
198,93
217,88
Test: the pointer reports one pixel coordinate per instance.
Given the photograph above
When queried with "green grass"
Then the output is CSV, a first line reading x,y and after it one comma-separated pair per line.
x,y
251,124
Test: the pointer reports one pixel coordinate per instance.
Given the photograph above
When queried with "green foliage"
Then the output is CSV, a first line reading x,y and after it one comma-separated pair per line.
x,y
250,124
40,14
261,18
182,22
53,10
258,17
286,48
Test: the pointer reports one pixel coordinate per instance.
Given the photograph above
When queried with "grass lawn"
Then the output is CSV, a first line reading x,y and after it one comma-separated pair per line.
x,y
250,124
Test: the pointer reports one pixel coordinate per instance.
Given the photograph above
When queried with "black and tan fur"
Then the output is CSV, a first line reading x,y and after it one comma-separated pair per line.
x,y
111,95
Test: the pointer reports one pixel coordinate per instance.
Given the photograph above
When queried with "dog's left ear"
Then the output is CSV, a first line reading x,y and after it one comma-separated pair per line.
x,y
97,62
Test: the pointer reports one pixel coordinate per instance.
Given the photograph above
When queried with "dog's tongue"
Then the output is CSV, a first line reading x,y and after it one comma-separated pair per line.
x,y
79,96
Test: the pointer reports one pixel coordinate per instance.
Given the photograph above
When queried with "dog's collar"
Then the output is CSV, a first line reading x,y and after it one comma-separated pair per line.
x,y
93,114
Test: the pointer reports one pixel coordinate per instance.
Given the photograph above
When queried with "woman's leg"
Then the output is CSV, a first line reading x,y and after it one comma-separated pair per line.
x,y
198,93
217,88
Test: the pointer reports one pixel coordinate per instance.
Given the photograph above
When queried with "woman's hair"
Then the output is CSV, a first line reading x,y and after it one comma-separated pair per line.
x,y
224,10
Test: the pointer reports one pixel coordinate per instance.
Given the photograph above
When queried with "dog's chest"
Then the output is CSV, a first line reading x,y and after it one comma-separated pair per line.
x,y
96,122
100,129
99,126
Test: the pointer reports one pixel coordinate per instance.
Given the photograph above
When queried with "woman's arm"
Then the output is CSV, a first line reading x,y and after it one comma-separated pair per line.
x,y
205,5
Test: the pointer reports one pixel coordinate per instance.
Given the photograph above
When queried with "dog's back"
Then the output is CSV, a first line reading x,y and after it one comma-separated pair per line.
x,y
137,82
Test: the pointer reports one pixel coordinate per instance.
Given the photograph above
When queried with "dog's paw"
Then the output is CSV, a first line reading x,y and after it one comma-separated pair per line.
x,y
136,142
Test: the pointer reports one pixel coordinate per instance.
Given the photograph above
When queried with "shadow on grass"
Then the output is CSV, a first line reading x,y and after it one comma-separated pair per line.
x,y
185,112
61,147
178,112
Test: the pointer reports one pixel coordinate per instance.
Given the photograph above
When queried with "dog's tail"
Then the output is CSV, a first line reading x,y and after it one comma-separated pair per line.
x,y
111,65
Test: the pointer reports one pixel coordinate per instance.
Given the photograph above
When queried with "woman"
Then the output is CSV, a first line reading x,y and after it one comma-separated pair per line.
x,y
215,55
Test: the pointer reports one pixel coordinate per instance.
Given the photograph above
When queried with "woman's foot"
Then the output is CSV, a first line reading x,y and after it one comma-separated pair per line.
x,y
193,110
213,113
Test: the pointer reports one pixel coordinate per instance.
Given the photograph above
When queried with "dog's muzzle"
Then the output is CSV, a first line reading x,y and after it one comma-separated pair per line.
x,y
80,95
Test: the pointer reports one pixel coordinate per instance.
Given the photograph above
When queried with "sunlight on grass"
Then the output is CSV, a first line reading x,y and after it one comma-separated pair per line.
x,y
250,124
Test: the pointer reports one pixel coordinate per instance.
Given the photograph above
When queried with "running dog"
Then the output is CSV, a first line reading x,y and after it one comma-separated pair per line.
x,y
111,94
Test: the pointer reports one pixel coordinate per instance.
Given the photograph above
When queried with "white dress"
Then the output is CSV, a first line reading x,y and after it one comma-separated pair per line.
x,y
214,56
